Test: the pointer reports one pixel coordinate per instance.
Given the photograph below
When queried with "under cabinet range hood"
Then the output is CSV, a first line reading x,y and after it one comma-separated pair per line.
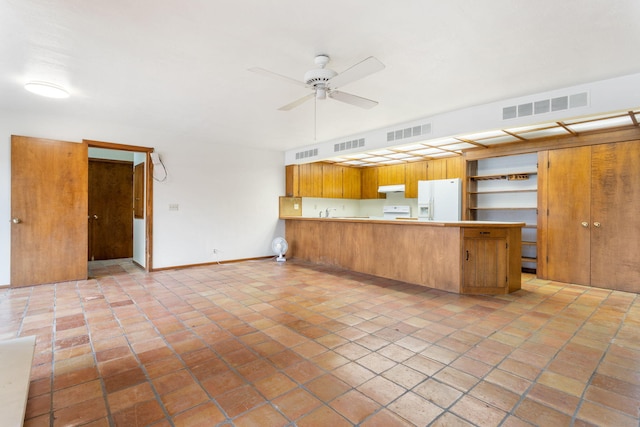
x,y
397,188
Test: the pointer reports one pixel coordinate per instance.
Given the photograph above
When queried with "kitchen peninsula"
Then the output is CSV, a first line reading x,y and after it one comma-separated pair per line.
x,y
465,257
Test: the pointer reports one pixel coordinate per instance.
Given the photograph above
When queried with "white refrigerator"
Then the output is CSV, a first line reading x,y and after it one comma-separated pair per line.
x,y
440,200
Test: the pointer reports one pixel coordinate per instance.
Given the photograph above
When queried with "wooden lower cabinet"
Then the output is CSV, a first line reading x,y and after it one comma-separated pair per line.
x,y
427,254
484,263
589,216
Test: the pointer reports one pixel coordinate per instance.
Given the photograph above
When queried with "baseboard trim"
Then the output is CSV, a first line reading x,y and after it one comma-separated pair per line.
x,y
206,264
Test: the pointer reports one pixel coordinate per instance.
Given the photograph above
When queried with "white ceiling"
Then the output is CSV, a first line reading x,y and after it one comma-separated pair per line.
x,y
182,66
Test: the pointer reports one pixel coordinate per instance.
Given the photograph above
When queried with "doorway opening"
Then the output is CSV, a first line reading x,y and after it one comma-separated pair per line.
x,y
141,206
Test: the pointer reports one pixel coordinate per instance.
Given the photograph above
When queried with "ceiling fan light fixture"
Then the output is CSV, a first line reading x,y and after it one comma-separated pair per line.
x,y
46,89
321,93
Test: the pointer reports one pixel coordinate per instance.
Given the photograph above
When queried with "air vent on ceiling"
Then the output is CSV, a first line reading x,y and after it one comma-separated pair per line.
x,y
306,154
398,134
348,145
546,105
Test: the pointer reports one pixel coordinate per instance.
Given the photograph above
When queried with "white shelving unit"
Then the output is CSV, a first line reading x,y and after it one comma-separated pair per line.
x,y
506,189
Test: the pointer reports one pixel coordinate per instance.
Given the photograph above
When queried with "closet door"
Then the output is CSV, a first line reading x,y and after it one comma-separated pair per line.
x,y
615,216
568,215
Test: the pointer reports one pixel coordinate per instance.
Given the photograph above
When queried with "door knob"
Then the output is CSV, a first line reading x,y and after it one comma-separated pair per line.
x,y
585,224
16,220
597,224
95,216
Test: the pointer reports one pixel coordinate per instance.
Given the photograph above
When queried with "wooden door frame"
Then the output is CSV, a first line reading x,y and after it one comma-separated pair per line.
x,y
148,193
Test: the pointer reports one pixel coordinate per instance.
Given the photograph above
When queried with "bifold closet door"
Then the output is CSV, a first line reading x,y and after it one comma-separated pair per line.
x,y
568,215
615,216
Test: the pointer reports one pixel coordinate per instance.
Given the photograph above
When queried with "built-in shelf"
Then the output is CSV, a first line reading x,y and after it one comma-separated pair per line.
x,y
505,208
506,189
516,176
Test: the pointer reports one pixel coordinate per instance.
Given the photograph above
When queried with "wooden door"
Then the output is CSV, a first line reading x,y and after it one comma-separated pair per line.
x,y
568,215
48,210
110,209
615,221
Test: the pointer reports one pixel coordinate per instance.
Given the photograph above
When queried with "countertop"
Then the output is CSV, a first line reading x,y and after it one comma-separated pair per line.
x,y
412,221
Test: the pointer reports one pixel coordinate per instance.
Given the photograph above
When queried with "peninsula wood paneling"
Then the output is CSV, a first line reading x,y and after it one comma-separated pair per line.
x,y
418,253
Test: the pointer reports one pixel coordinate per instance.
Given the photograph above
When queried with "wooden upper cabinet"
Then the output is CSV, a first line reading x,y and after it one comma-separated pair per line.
x,y
292,181
332,181
392,174
351,183
310,178
437,169
455,166
370,184
414,172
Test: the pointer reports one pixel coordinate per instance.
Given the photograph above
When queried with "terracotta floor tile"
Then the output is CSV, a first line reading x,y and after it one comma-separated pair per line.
x,y
264,415
124,379
456,378
222,383
322,417
82,413
478,412
37,406
296,403
354,406
495,396
139,414
183,399
203,415
284,343
130,396
304,371
436,392
381,390
415,409
353,374
274,385
539,414
327,387
239,400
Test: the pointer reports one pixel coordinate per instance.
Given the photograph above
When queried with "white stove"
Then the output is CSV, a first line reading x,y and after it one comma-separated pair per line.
x,y
393,212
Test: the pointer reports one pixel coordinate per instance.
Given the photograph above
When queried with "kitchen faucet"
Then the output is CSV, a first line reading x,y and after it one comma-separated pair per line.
x,y
328,211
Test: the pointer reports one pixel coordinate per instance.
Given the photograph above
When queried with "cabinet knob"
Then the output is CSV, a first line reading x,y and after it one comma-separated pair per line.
x,y
597,224
585,224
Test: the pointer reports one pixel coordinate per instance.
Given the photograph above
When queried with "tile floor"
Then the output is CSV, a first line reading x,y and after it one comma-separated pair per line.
x,y
263,344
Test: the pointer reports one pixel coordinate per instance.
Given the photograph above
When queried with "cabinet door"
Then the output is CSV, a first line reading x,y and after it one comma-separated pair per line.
x,y
615,221
370,184
454,167
292,181
568,215
331,181
391,175
310,180
437,169
414,172
351,183
484,264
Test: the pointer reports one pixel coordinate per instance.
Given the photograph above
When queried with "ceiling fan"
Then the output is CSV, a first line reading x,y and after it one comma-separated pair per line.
x,y
324,82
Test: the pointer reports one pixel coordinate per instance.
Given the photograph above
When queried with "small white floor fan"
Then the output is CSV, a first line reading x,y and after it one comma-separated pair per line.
x,y
279,247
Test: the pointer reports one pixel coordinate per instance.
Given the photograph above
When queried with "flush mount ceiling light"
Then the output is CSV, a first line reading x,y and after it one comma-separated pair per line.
x,y
49,90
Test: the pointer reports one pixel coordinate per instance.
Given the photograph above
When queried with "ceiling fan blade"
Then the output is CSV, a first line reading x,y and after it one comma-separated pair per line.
x,y
276,76
356,72
297,102
358,101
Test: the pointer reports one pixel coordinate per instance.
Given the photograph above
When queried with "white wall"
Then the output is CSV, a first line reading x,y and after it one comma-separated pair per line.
x,y
227,196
